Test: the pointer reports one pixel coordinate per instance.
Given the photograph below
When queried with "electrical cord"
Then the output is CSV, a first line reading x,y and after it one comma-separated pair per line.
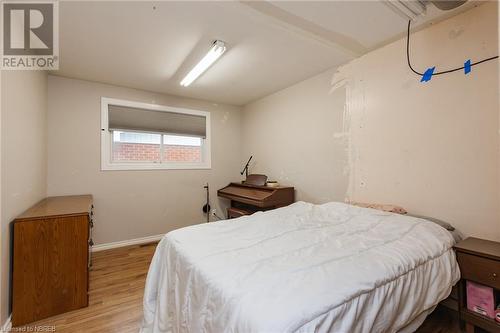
x,y
441,72
217,216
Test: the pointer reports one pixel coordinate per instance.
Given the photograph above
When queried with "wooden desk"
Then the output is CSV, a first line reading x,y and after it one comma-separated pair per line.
x,y
248,199
479,261
51,258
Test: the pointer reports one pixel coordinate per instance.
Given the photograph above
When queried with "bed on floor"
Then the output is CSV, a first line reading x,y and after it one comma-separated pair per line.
x,y
302,268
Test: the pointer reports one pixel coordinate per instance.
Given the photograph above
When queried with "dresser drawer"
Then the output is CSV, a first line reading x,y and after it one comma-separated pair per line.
x,y
479,269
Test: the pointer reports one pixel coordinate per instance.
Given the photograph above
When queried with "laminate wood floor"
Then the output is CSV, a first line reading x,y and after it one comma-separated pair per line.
x,y
116,289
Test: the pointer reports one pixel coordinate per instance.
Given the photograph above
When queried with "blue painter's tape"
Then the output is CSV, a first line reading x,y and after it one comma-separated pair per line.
x,y
467,67
428,74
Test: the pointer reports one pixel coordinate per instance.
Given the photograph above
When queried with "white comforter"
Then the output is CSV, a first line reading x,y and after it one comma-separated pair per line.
x,y
303,268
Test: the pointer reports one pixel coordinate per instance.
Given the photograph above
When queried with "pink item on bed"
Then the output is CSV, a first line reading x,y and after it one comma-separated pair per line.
x,y
383,207
480,299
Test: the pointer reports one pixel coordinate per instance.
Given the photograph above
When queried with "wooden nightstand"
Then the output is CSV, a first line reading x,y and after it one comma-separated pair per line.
x,y
479,261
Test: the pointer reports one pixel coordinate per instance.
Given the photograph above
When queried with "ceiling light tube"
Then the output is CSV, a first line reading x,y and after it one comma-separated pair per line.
x,y
218,48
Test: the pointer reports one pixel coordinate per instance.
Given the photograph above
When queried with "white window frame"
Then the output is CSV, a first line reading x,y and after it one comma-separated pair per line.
x,y
106,139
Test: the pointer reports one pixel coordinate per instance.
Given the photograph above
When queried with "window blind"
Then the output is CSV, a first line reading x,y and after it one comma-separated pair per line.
x,y
128,118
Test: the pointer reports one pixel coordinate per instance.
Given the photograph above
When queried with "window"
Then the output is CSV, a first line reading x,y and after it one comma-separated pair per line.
x,y
138,136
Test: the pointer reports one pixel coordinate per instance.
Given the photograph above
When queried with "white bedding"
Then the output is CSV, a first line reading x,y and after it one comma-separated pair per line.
x,y
302,268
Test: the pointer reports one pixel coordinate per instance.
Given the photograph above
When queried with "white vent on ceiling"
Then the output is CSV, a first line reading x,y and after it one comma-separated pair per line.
x,y
411,9
408,9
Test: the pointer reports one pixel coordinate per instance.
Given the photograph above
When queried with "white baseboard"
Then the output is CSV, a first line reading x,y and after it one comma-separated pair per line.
x,y
135,241
7,326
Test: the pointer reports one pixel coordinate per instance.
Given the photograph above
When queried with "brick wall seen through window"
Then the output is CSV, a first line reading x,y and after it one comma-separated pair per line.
x,y
146,147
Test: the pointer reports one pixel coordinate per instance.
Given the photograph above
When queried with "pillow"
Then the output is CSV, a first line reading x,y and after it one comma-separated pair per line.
x,y
442,223
383,207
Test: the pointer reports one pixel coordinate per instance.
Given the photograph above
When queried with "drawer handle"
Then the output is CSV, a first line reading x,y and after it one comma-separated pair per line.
x,y
494,275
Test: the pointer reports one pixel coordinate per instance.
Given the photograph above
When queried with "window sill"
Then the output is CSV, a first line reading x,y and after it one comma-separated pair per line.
x,y
155,166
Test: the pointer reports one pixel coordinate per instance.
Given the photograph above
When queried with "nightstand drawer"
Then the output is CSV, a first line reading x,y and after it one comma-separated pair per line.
x,y
479,269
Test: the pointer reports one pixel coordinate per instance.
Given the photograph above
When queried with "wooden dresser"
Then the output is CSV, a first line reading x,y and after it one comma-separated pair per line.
x,y
479,261
51,258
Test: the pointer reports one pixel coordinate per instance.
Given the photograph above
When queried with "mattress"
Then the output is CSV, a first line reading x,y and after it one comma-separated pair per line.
x,y
302,268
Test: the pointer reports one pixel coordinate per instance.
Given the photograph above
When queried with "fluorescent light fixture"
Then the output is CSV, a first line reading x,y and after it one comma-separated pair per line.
x,y
218,48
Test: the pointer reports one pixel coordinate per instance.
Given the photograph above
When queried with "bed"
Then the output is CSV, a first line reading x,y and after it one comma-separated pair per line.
x,y
302,268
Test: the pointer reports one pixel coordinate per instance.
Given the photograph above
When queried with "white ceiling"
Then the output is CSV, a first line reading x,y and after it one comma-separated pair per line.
x,y
271,45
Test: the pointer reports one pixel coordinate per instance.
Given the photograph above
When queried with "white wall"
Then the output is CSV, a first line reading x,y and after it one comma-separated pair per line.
x,y
23,156
384,137
292,137
132,204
